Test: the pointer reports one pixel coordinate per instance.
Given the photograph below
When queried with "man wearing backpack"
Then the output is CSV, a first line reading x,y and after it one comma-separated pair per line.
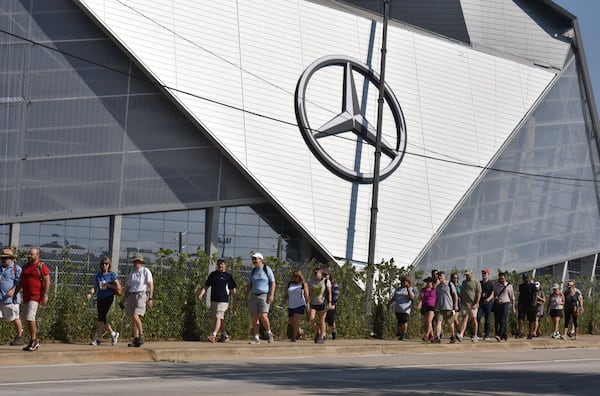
x,y
9,299
261,292
35,283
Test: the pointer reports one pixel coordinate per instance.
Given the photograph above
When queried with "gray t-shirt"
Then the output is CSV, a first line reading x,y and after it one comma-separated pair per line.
x,y
317,290
443,297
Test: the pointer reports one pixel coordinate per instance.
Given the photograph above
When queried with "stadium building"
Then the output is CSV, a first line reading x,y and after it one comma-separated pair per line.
x,y
249,125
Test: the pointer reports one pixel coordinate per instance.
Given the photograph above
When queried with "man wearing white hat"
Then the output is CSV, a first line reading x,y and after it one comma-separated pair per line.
x,y
138,295
261,291
9,298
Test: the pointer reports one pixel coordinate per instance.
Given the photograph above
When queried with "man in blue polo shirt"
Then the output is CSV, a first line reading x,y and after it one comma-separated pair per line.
x,y
9,298
261,291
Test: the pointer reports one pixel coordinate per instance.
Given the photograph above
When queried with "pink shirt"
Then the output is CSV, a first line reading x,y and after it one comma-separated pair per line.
x,y
428,297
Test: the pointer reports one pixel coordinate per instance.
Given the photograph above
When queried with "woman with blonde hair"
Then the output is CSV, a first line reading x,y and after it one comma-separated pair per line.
x,y
106,285
296,296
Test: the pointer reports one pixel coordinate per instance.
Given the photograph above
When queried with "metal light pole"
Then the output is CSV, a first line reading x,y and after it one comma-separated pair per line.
x,y
375,194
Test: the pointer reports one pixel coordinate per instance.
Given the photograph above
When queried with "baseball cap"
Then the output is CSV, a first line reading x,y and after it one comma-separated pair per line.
x,y
485,271
537,284
258,255
555,286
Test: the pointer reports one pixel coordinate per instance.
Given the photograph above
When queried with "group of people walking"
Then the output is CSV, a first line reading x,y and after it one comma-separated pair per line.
x,y
137,297
33,282
317,297
460,307
442,303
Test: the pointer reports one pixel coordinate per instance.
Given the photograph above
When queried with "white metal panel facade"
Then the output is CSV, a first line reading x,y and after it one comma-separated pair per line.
x,y
459,105
503,26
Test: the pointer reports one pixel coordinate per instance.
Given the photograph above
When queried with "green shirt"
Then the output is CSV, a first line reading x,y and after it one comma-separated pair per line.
x,y
469,291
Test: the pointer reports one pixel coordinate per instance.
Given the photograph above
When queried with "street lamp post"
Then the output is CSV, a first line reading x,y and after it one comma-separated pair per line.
x,y
375,194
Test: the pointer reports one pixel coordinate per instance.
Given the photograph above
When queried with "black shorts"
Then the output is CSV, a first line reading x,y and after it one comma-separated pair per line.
x,y
556,313
402,317
527,312
330,317
426,308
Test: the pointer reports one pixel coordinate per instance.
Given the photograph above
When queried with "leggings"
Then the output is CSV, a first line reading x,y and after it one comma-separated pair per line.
x,y
103,307
570,317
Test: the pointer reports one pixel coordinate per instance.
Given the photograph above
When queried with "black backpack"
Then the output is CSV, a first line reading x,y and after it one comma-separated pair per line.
x,y
264,269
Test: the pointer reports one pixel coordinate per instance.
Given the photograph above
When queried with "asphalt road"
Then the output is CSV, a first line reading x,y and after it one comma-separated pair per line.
x,y
525,372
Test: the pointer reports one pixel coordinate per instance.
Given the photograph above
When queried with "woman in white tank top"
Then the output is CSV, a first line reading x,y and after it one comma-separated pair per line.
x,y
296,296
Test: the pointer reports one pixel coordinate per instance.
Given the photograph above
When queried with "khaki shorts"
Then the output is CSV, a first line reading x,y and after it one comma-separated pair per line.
x,y
468,310
136,304
444,315
31,310
9,312
218,309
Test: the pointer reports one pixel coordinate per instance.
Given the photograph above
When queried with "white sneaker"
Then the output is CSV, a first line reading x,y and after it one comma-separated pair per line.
x,y
115,337
96,342
254,341
270,337
474,338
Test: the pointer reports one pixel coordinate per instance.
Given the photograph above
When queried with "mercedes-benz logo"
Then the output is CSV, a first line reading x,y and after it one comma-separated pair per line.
x,y
350,120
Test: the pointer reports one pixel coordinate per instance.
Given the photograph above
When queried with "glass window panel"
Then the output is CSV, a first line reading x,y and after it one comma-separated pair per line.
x,y
194,241
177,216
151,225
195,226
4,234
155,216
151,235
130,222
175,226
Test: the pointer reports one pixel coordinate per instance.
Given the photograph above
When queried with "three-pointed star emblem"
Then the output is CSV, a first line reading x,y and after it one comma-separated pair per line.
x,y
350,119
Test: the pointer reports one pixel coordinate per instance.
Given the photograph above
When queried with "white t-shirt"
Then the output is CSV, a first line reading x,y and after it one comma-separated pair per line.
x,y
138,280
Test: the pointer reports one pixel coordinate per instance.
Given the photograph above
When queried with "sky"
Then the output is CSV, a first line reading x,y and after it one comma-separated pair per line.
x,y
588,14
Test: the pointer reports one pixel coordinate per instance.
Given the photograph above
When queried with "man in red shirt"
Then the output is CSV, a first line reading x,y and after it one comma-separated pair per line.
x,y
35,284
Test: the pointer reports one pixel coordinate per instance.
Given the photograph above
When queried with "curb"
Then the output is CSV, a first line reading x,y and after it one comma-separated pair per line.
x,y
184,351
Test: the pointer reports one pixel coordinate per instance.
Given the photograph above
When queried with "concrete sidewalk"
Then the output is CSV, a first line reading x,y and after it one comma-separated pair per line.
x,y
203,350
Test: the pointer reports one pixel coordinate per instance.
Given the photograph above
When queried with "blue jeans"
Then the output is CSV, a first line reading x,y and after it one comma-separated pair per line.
x,y
485,311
